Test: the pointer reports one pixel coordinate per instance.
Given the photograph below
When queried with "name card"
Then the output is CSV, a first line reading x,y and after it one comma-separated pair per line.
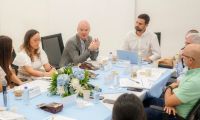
x,y
35,91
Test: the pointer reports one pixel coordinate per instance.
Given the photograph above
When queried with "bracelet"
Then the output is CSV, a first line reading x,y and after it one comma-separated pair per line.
x,y
168,88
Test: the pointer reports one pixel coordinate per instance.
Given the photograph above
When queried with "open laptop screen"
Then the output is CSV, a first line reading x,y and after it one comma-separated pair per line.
x,y
127,55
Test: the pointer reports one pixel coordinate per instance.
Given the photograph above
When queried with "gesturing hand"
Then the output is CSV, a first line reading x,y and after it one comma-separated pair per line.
x,y
94,45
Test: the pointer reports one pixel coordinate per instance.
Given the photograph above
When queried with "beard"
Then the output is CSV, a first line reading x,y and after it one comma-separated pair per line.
x,y
138,29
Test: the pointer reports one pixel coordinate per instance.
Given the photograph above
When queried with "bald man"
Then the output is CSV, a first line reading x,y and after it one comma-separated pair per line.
x,y
192,37
80,47
181,97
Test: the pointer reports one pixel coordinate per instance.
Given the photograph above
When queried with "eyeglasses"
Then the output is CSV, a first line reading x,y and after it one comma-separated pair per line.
x,y
188,56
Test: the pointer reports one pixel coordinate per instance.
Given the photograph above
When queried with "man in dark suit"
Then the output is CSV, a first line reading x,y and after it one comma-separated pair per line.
x,y
80,47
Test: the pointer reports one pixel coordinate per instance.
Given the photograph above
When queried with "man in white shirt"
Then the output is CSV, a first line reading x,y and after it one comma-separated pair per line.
x,y
142,41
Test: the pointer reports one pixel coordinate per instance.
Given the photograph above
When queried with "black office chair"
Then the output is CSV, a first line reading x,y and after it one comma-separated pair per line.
x,y
53,46
194,114
159,37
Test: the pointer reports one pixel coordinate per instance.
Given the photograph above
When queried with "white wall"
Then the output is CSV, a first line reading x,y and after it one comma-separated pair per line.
x,y
17,16
110,19
173,18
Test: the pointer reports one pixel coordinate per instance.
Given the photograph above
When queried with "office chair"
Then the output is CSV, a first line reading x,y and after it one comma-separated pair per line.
x,y
53,46
194,114
158,34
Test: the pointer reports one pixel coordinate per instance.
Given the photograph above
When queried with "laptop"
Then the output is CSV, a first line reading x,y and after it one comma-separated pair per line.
x,y
127,55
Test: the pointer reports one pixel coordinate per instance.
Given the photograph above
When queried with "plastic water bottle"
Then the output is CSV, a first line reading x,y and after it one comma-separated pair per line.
x,y
26,95
117,81
178,68
110,61
139,59
96,96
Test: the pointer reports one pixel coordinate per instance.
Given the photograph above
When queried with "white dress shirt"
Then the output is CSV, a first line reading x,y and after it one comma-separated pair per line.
x,y
147,45
82,46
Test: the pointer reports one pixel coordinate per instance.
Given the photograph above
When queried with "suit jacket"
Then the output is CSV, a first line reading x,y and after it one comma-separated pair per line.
x,y
73,52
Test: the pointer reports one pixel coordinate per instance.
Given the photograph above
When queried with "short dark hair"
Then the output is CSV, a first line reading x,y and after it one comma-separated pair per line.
x,y
128,107
145,17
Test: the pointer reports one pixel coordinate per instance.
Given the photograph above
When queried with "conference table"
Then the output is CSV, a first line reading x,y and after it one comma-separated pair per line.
x,y
92,110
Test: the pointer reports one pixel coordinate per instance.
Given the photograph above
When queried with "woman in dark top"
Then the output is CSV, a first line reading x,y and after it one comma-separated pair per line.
x,y
5,61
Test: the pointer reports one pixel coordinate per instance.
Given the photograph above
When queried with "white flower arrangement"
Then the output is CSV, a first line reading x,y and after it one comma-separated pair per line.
x,y
70,80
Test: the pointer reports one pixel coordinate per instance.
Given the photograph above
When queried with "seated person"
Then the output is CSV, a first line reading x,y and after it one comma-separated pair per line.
x,y
180,97
31,58
128,107
80,47
5,55
191,31
142,41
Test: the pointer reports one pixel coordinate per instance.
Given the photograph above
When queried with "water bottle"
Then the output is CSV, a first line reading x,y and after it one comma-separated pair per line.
x,y
26,95
139,59
109,61
178,68
96,95
117,81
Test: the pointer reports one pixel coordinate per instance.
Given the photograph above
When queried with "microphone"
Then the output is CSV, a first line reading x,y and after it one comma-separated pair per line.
x,y
4,85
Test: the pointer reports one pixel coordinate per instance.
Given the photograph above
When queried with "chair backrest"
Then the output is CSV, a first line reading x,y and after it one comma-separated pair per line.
x,y
53,46
195,112
159,37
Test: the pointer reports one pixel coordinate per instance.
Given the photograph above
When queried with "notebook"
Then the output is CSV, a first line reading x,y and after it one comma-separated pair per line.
x,y
127,55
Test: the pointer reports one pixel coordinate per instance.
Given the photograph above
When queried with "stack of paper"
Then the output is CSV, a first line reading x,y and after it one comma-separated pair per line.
x,y
142,80
7,115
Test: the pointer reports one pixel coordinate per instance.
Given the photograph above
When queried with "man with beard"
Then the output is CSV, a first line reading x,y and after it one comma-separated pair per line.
x,y
81,46
142,41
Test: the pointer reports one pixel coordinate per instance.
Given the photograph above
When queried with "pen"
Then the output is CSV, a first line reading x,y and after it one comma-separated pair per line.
x,y
135,81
